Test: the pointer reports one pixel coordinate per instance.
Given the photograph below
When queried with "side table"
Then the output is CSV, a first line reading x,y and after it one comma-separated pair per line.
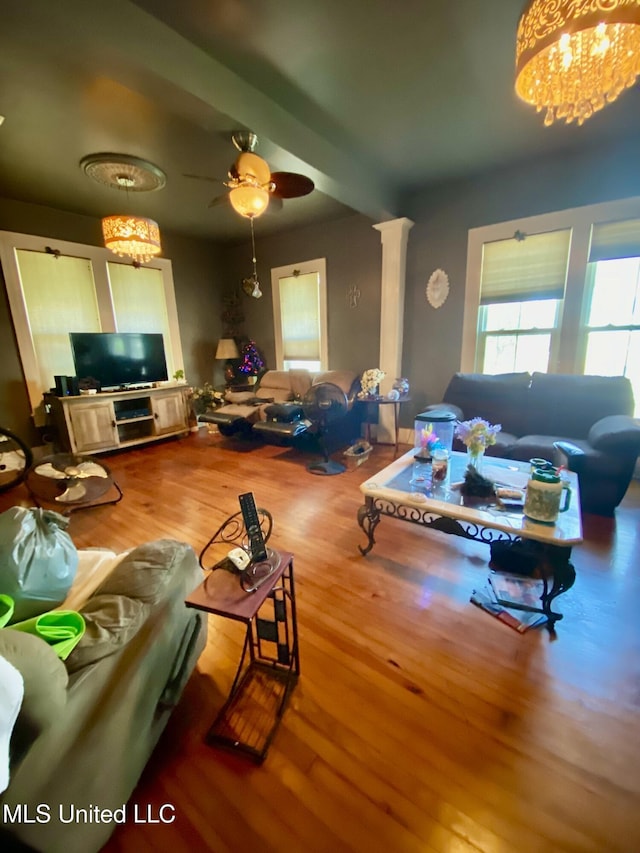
x,y
269,664
384,401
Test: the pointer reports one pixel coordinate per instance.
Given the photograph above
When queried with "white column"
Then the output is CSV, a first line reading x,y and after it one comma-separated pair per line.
x,y
394,236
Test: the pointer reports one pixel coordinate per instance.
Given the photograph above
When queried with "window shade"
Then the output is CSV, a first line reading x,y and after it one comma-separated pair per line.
x,y
521,270
300,317
614,240
59,295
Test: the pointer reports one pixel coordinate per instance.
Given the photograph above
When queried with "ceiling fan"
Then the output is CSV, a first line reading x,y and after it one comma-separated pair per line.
x,y
252,184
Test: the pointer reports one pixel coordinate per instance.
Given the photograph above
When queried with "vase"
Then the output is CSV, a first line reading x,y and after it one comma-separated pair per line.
x,y
475,458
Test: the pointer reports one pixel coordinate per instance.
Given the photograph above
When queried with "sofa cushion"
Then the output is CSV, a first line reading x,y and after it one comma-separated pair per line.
x,y
239,396
111,621
566,405
45,686
145,572
534,446
499,399
615,432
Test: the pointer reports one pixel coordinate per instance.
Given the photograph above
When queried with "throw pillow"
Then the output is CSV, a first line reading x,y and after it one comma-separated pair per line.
x,y
145,572
11,693
110,622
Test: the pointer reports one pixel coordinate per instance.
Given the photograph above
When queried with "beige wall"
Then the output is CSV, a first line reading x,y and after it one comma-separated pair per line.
x,y
198,282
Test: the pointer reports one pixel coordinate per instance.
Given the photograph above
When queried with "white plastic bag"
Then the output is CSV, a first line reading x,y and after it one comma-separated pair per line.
x,y
38,560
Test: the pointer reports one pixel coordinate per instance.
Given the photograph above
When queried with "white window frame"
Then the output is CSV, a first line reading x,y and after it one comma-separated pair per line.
x,y
11,242
568,341
319,267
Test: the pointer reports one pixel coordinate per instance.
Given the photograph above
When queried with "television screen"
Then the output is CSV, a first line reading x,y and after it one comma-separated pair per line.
x,y
117,359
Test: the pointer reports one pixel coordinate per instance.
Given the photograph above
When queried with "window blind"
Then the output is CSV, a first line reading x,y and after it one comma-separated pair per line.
x,y
300,317
613,240
59,295
522,270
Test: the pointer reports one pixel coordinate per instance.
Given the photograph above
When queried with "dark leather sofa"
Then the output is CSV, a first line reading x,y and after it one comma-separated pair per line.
x,y
582,422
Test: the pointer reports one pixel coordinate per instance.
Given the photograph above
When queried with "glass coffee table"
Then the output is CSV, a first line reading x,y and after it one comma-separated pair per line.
x,y
404,491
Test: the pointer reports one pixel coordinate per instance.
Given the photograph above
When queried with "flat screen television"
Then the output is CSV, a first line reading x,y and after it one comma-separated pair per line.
x,y
119,359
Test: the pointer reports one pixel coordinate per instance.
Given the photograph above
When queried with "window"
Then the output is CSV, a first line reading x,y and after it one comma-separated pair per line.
x,y
300,315
76,288
568,303
612,329
521,289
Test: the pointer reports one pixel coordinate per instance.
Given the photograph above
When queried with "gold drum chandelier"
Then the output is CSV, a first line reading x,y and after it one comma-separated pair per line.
x,y
136,237
132,236
574,57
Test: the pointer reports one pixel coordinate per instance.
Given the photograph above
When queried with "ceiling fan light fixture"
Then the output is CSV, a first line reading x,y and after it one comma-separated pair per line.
x,y
132,236
574,58
248,200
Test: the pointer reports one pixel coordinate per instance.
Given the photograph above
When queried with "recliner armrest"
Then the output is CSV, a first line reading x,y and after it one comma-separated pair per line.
x,y
571,456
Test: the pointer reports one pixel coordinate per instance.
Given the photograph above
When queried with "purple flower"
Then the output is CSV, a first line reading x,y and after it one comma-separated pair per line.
x,y
477,433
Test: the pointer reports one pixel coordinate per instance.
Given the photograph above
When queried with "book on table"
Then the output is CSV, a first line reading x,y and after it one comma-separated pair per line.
x,y
517,618
517,591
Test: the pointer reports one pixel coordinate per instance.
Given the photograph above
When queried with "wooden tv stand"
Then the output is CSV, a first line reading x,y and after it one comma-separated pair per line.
x,y
116,419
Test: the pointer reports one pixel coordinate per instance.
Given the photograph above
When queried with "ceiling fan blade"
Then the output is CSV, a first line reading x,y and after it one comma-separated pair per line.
x,y
275,205
218,200
291,185
202,178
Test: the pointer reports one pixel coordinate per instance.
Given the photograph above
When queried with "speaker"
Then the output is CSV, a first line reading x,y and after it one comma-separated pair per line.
x,y
66,386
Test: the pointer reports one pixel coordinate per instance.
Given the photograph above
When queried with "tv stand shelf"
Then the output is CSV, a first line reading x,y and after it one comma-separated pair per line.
x,y
116,419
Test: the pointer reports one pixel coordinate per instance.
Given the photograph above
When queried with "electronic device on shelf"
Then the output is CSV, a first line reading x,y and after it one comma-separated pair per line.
x,y
118,360
258,551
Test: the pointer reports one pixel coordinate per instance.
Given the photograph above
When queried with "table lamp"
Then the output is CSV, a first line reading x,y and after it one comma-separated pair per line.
x,y
227,351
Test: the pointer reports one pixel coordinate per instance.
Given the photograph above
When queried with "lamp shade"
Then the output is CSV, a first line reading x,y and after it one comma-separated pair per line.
x,y
227,348
248,200
132,236
574,57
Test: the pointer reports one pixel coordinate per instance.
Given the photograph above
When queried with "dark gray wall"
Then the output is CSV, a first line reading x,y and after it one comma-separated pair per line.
x,y
198,282
354,257
442,216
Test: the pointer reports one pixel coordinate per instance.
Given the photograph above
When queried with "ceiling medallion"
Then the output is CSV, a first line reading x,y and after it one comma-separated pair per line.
x,y
136,237
123,172
573,57
438,289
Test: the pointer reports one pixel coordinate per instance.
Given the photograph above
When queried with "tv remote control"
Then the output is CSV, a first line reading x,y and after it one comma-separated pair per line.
x,y
252,524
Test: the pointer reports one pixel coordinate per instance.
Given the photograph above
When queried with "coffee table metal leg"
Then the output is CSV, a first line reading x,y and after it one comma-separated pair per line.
x,y
368,519
562,574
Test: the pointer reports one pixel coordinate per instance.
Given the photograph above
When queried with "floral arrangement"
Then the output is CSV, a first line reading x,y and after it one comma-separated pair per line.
x,y
428,439
370,381
477,434
205,397
252,362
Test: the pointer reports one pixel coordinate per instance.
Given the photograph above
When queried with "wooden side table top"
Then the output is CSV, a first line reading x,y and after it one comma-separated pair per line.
x,y
221,593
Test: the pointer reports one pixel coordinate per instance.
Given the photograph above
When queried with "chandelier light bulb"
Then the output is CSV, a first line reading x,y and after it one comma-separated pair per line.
x,y
574,57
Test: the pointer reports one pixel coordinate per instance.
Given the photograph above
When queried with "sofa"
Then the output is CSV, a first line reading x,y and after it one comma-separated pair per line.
x,y
582,422
88,725
274,411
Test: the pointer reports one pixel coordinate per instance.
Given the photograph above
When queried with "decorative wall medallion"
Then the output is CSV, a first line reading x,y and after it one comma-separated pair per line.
x,y
438,288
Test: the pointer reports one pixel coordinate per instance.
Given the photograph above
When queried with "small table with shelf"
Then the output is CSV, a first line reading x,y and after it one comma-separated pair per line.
x,y
385,401
269,663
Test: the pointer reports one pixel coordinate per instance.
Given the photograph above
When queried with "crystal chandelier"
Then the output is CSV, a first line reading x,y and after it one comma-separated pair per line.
x,y
132,236
135,237
574,57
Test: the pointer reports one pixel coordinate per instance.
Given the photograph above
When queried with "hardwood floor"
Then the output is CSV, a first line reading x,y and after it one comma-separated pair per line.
x,y
419,722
